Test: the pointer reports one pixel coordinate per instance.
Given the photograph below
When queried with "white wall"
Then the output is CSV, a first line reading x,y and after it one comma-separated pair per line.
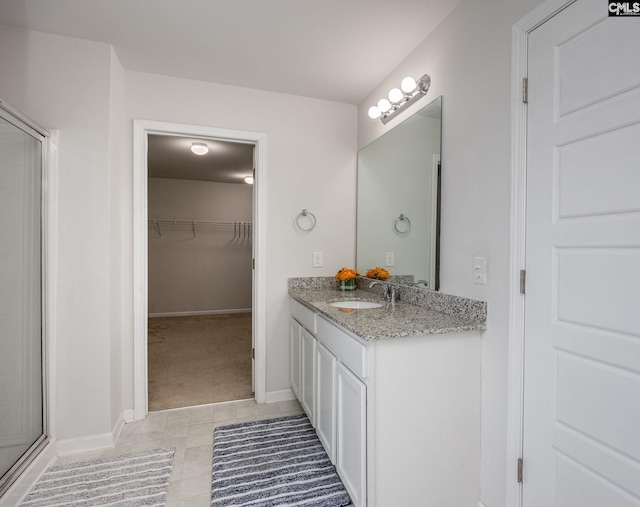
x,y
66,84
311,163
211,271
469,60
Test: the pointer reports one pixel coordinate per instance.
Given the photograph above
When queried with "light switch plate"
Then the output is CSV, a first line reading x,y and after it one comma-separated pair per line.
x,y
390,259
317,260
480,270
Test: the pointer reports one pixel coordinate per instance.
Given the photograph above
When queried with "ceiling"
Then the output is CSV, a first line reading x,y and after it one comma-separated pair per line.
x,y
338,50
171,157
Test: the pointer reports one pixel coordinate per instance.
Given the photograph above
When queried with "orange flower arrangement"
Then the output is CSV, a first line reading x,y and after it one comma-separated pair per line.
x,y
378,273
347,274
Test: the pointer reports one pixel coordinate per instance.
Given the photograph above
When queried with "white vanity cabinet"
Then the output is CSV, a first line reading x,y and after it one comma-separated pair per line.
x,y
326,364
347,405
328,375
328,371
308,374
351,433
295,328
400,417
302,327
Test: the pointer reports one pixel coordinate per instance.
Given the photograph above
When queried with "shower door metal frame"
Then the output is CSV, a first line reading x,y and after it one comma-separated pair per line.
x,y
48,143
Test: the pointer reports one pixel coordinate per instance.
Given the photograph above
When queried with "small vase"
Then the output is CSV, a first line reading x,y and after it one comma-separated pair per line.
x,y
348,284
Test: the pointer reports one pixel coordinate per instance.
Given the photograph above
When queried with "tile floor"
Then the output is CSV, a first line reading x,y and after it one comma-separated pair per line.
x,y
190,431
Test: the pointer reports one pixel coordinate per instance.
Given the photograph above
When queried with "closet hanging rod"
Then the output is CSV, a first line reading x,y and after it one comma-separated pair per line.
x,y
189,223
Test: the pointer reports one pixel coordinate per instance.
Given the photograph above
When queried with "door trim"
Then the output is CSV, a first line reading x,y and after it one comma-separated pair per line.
x,y
515,379
141,129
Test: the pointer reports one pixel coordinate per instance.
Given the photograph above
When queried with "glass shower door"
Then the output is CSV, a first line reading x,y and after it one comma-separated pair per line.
x,y
22,425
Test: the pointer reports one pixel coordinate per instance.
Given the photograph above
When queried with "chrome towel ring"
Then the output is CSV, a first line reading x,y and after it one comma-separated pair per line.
x,y
402,219
311,219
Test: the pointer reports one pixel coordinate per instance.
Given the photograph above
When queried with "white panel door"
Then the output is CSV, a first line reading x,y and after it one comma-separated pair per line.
x,y
582,332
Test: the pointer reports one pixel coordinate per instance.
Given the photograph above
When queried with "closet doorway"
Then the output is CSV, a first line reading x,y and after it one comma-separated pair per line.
x,y
200,205
196,275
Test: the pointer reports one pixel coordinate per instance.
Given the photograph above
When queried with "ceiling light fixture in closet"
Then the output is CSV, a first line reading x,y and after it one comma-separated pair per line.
x,y
199,148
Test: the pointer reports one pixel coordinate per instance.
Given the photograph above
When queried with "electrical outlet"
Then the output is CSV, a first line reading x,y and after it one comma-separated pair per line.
x,y
480,270
317,260
390,259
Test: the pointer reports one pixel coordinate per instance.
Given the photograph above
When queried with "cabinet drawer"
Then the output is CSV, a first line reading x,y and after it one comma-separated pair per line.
x,y
351,353
304,315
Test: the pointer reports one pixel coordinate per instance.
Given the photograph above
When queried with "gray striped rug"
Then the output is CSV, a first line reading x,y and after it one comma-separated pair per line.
x,y
274,462
135,479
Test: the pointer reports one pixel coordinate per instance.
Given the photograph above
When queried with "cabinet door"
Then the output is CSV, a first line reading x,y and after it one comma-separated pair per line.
x,y
294,362
326,400
308,376
351,433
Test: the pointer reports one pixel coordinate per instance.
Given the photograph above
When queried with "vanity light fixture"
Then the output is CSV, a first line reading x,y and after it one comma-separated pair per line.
x,y
199,148
400,98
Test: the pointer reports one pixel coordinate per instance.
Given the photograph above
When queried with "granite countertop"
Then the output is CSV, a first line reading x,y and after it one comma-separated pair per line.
x,y
392,320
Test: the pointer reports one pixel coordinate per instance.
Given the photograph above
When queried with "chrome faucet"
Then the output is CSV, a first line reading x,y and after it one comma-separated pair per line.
x,y
390,293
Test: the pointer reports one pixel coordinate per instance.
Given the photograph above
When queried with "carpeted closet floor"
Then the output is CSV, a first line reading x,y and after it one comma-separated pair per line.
x,y
199,359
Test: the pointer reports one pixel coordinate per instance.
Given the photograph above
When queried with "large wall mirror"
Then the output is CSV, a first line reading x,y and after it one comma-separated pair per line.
x,y
398,212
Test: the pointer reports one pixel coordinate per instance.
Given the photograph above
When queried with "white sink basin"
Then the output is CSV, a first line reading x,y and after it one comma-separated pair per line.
x,y
356,305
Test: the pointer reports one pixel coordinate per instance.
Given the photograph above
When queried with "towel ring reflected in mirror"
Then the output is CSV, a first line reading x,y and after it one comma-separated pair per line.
x,y
310,218
406,224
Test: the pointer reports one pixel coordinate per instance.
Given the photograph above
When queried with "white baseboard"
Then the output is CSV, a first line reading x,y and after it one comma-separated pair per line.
x,y
129,415
283,395
85,444
19,489
94,442
202,312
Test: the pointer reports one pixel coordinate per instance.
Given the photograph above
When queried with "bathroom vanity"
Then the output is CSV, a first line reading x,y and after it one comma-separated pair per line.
x,y
393,392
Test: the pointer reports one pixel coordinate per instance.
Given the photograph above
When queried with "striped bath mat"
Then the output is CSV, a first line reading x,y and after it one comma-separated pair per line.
x,y
273,463
129,480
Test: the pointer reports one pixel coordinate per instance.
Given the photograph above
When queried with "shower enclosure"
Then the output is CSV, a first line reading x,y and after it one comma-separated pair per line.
x,y
23,427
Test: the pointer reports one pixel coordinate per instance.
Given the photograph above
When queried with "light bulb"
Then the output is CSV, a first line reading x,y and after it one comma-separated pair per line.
x,y
249,180
199,148
395,95
408,84
374,112
384,105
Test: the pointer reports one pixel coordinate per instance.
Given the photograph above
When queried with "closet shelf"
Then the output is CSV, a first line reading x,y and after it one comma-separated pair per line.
x,y
166,221
241,228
